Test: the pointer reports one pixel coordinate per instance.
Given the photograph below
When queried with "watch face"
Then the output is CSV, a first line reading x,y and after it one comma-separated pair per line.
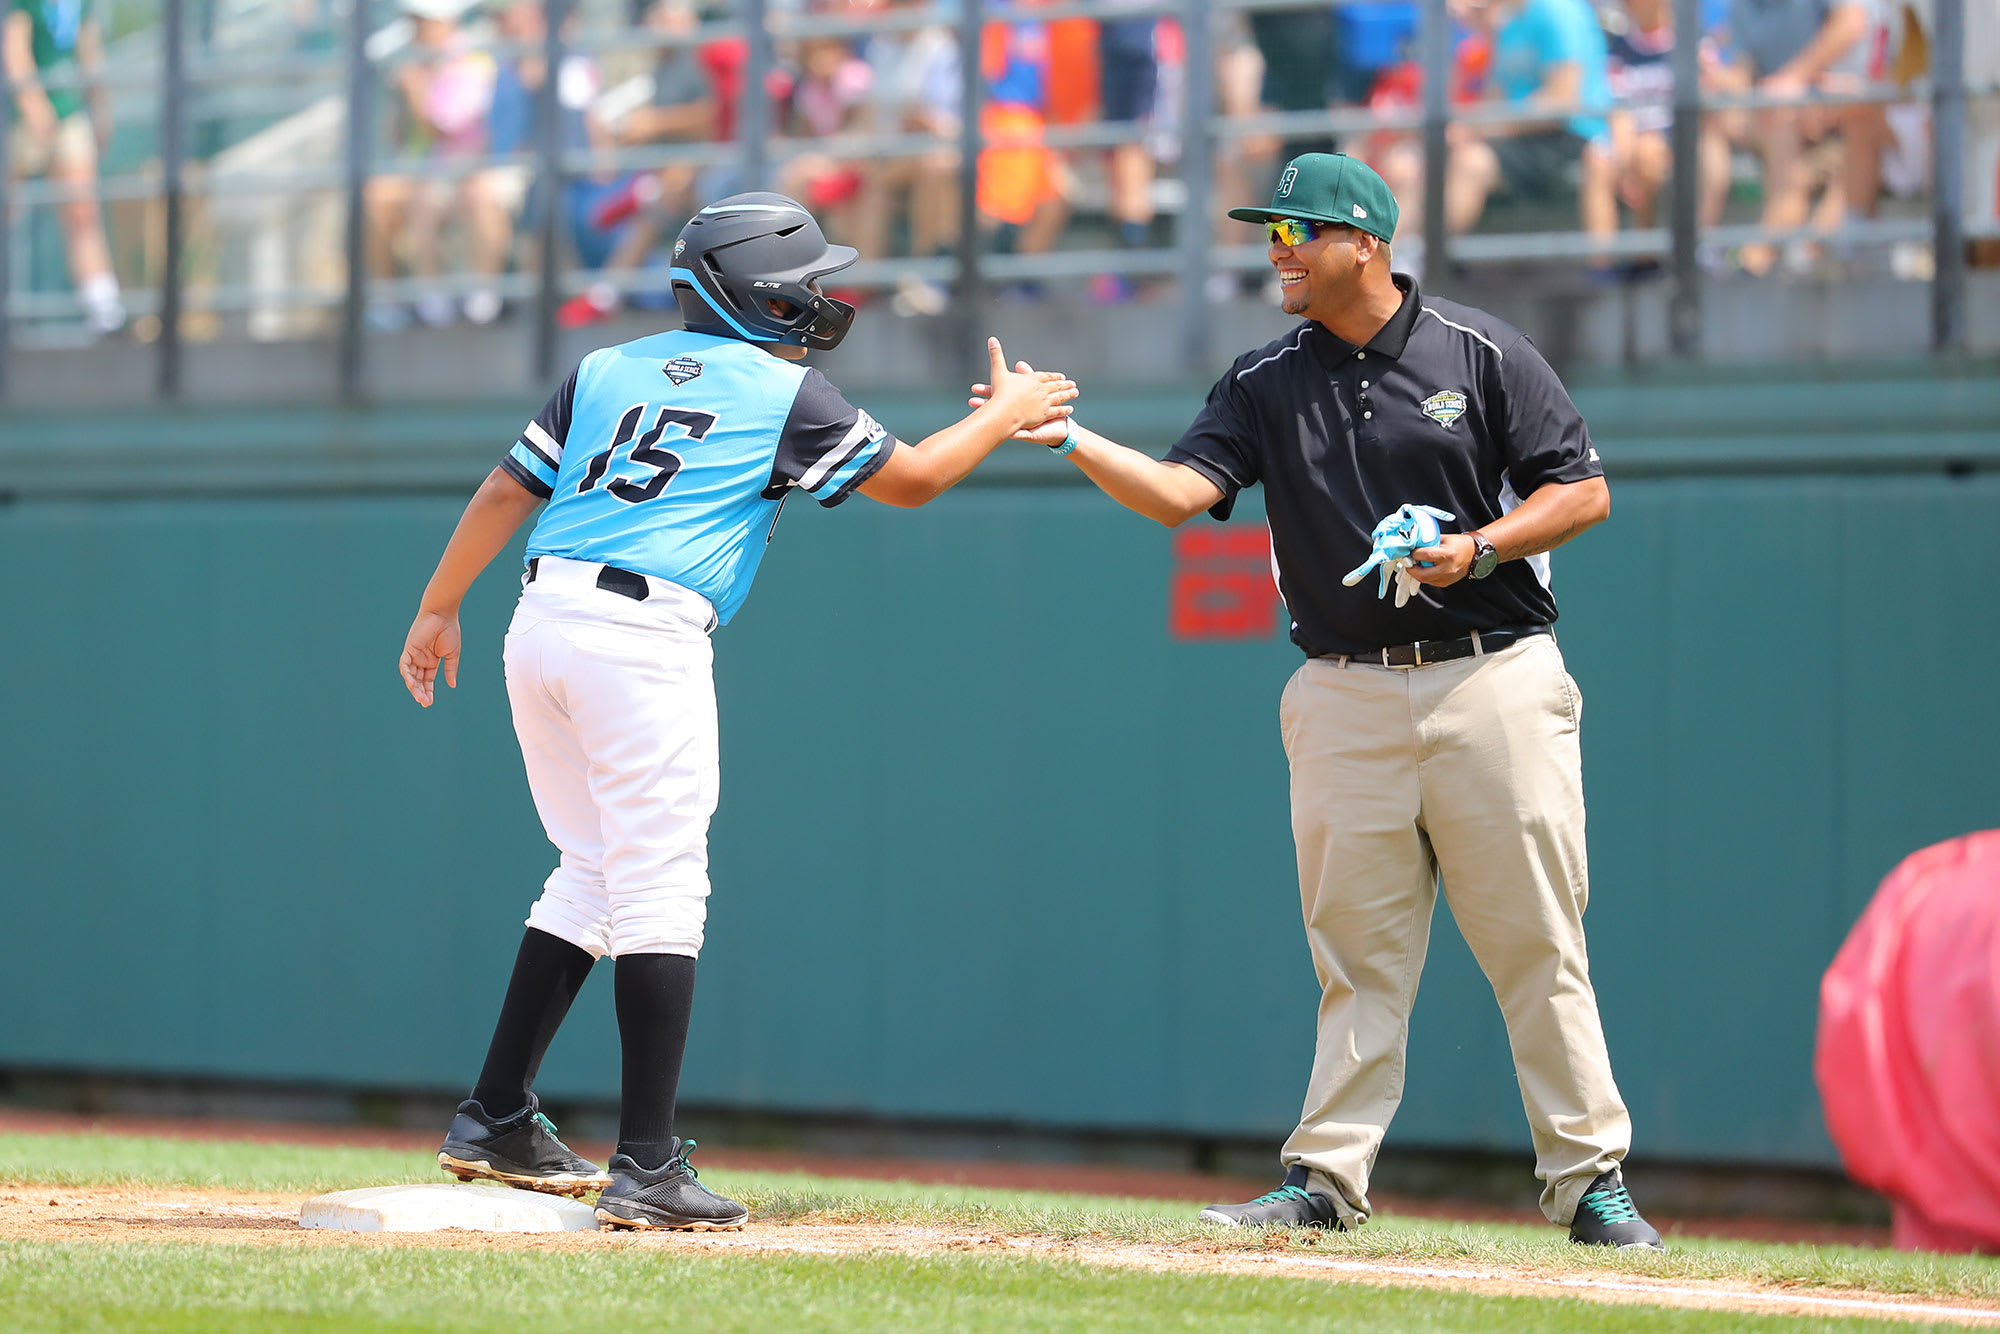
x,y
1485,562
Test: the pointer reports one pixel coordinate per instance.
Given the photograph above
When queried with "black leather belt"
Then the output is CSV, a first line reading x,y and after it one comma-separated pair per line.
x,y
1426,652
611,579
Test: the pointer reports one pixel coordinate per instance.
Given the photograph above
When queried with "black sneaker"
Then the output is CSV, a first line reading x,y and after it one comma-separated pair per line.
x,y
1606,1216
672,1197
1290,1205
521,1150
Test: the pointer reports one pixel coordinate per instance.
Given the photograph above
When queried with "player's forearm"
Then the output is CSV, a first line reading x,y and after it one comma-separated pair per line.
x,y
1554,514
1165,493
490,520
950,455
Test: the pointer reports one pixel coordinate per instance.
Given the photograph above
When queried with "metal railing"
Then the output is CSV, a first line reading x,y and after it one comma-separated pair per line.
x,y
350,85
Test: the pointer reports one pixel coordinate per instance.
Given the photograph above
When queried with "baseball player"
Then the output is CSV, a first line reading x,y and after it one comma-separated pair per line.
x,y
665,464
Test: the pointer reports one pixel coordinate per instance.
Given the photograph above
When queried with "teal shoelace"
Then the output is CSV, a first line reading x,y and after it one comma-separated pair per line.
x,y
547,1125
681,1159
1612,1206
1284,1193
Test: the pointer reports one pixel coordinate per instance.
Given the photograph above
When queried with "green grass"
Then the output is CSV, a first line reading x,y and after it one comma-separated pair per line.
x,y
48,1287
196,1287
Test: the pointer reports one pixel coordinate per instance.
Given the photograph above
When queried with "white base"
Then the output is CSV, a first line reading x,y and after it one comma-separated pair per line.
x,y
480,1207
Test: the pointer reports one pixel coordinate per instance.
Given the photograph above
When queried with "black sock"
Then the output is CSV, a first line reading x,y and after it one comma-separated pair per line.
x,y
547,975
655,1000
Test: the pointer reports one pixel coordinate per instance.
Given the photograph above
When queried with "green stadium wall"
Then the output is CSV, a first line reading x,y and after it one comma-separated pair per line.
x,y
994,843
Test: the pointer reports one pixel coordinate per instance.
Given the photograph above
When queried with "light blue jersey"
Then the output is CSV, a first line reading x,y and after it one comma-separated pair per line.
x,y
671,456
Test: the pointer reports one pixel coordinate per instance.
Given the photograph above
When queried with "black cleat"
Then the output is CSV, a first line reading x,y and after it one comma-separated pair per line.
x,y
520,1150
672,1197
1606,1216
1290,1205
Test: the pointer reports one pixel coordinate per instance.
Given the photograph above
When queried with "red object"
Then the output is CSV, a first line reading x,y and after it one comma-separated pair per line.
x,y
1222,586
1908,1059
724,62
833,188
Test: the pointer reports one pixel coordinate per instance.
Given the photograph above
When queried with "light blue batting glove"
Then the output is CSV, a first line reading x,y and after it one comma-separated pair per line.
x,y
1398,535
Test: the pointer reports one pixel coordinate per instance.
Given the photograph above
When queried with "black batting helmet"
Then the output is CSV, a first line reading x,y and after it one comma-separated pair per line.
x,y
740,254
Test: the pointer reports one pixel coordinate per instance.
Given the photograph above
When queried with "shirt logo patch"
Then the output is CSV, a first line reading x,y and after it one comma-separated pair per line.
x,y
1444,407
682,369
1286,181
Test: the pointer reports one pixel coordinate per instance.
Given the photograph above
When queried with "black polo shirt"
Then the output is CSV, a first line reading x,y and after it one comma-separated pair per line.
x,y
1445,406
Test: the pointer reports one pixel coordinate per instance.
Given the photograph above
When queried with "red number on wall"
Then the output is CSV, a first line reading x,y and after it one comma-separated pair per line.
x,y
1221,586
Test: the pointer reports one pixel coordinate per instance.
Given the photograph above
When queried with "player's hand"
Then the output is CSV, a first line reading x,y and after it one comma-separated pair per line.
x,y
1031,399
431,643
1450,560
1051,432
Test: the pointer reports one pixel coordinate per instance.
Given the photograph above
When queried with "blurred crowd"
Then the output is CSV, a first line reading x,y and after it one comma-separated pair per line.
x,y
1577,135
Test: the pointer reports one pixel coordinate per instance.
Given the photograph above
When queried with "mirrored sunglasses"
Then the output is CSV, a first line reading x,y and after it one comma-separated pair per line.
x,y
1295,231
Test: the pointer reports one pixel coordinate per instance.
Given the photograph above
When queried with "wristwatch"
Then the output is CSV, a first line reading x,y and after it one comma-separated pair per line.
x,y
1485,556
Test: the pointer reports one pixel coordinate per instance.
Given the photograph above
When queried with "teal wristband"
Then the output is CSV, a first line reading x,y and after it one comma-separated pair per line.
x,y
1069,441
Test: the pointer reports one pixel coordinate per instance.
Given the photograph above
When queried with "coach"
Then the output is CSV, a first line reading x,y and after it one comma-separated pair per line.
x,y
1431,743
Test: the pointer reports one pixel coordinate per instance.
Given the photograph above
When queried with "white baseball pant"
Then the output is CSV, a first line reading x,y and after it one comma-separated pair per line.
x,y
614,705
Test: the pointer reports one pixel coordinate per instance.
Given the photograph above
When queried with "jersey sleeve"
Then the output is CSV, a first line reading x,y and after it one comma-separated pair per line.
x,y
1543,436
1220,443
828,446
536,457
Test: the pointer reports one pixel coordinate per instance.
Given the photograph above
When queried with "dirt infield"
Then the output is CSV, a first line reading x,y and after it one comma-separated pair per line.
x,y
1082,1178
238,1218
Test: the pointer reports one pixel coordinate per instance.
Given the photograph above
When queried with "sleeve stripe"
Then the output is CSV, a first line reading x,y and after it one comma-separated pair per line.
x,y
550,448
519,473
845,475
532,464
526,443
857,436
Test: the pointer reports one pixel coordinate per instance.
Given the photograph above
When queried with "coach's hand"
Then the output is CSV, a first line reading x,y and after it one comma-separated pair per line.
x,y
1450,560
1050,430
432,642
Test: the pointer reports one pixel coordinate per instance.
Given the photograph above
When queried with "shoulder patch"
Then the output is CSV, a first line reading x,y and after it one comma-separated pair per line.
x,y
1444,407
682,369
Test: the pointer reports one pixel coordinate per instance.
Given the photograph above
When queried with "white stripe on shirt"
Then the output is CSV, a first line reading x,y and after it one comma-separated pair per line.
x,y
1462,329
1292,346
547,442
857,435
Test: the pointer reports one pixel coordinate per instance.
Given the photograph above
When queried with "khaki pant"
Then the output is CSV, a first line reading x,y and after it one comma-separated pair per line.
x,y
1468,773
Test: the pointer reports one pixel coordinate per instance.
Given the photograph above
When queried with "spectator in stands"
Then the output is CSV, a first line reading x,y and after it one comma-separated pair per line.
x,y
443,96
1021,180
1635,160
916,88
56,136
1299,64
685,106
514,124
1789,48
830,95
1548,60
1129,81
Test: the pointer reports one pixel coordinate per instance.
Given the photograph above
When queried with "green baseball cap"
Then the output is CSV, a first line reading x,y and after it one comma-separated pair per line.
x,y
1329,187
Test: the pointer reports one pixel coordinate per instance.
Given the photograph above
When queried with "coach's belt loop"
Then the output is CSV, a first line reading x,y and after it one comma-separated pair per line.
x,y
1477,651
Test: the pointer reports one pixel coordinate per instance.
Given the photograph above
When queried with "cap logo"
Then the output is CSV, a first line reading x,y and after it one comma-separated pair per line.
x,y
1360,212
1287,181
1444,407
